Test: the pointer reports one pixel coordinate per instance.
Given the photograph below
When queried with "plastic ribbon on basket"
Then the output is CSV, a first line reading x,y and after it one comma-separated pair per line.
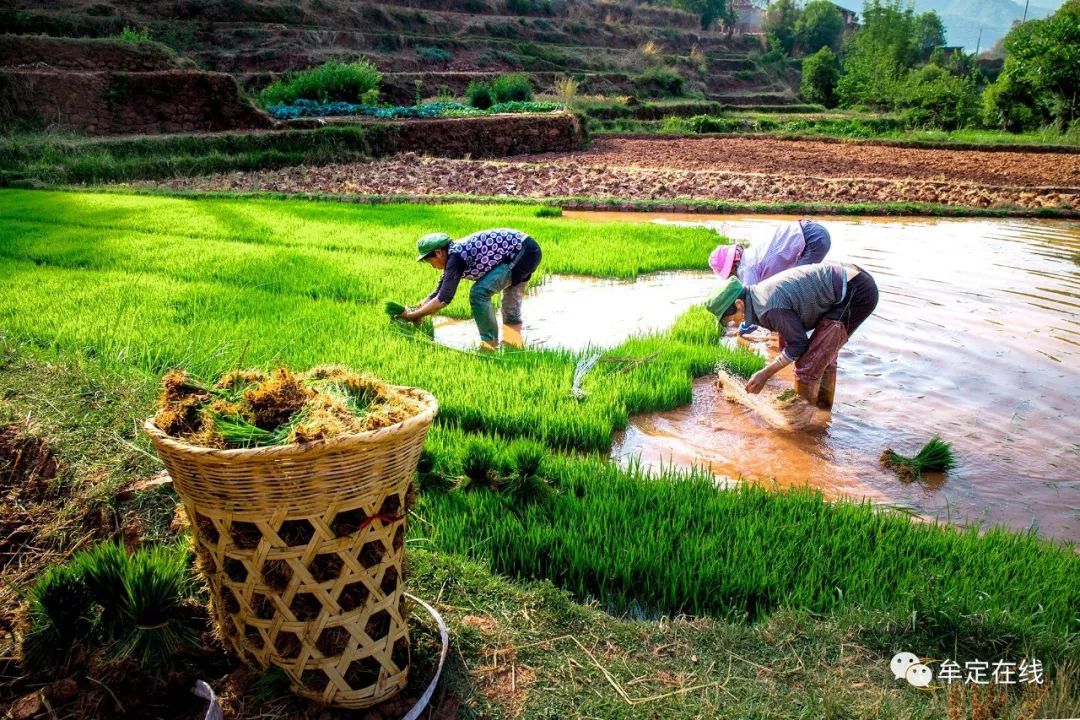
x,y
213,710
444,637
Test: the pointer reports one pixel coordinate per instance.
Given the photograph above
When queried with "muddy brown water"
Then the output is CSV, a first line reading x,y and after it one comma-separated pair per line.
x,y
976,339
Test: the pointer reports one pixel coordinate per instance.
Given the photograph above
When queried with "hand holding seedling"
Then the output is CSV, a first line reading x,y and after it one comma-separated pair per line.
x,y
757,382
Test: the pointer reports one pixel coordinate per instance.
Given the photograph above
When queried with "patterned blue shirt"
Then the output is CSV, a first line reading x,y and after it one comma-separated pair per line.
x,y
474,256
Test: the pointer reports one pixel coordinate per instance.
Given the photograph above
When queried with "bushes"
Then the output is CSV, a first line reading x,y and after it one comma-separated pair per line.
x,y
479,95
432,54
820,73
513,88
134,36
1009,106
332,81
932,97
1044,57
660,82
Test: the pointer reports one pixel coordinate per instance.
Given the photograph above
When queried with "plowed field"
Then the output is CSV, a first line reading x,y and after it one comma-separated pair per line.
x,y
744,170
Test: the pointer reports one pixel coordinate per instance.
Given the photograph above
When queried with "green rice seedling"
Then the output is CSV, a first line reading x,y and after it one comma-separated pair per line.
x,y
479,465
525,482
424,328
272,682
430,477
549,211
157,625
239,432
936,456
60,621
104,568
705,554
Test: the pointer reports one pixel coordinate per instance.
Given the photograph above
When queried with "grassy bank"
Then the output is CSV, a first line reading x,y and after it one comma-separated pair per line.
x,y
100,293
673,205
883,129
61,159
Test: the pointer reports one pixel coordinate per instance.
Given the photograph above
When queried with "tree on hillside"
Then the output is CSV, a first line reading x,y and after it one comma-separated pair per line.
x,y
779,23
933,97
929,31
820,73
1043,56
879,54
820,25
710,11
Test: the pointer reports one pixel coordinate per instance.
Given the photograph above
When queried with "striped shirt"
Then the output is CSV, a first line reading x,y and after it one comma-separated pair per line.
x,y
793,301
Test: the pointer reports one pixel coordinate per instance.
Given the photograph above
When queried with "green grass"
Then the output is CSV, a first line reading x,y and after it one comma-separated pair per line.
x,y
887,129
127,286
65,158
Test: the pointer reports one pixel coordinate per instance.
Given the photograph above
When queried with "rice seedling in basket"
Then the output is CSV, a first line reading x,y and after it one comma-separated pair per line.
x,y
935,455
245,409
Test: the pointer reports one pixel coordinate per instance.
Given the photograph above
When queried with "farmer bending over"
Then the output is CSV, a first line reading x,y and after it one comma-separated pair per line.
x,y
828,300
499,260
796,243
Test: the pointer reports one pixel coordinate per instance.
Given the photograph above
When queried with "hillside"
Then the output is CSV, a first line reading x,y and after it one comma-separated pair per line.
x,y
612,47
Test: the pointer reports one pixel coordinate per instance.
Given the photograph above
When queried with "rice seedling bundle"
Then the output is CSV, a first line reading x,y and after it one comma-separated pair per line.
x,y
936,456
117,605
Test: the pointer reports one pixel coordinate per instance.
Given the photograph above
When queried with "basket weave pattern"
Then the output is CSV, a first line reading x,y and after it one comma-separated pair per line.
x,y
302,546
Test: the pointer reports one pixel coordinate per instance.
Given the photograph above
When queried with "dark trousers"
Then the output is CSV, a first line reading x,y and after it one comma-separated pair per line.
x,y
858,304
835,327
818,242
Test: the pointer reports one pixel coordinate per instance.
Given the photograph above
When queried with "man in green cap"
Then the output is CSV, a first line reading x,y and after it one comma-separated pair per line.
x,y
499,260
828,300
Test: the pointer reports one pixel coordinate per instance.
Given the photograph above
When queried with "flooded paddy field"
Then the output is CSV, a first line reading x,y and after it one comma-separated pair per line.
x,y
976,339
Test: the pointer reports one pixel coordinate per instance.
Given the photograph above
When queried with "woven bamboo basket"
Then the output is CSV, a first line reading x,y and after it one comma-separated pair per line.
x,y
302,546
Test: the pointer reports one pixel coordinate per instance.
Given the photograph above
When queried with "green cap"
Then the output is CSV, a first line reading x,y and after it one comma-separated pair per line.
x,y
430,243
722,299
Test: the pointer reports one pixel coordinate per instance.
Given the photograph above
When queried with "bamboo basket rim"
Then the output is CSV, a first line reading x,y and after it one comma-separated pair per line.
x,y
315,447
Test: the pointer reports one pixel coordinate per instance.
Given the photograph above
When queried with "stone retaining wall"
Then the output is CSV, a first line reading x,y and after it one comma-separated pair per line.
x,y
122,103
489,137
87,54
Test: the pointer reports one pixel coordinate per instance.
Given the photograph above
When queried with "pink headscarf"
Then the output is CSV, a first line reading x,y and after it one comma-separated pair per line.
x,y
723,258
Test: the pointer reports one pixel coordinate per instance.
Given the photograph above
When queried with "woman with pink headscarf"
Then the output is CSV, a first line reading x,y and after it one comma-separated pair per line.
x,y
804,242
